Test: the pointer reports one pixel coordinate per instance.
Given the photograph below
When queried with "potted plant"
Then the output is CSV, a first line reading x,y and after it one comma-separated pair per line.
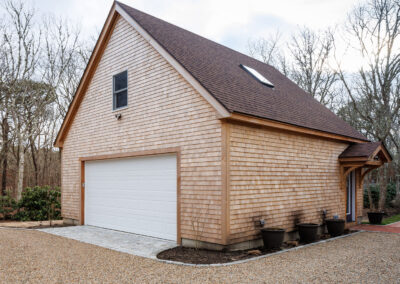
x,y
272,237
308,232
375,217
335,226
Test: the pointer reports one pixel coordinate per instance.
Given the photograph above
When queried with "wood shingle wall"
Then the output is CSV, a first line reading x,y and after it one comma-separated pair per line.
x,y
274,174
163,111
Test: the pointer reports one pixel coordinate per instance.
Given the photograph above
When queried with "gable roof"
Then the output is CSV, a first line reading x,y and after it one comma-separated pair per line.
x,y
366,150
217,68
214,70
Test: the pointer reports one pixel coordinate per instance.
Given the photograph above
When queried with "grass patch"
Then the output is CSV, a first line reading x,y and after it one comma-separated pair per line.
x,y
388,220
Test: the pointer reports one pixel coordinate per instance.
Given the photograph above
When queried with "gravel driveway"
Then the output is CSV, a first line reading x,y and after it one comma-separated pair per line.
x,y
37,257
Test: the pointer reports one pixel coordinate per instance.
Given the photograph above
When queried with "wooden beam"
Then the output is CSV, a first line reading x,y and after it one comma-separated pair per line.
x,y
354,159
374,163
225,184
349,170
289,127
385,154
353,164
170,150
82,215
366,172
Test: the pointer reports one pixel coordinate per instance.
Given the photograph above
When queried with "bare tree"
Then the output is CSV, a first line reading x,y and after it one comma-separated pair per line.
x,y
4,100
268,50
41,63
310,55
65,59
305,59
20,54
375,27
30,103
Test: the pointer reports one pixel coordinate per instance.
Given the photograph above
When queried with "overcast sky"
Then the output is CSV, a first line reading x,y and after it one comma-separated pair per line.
x,y
231,23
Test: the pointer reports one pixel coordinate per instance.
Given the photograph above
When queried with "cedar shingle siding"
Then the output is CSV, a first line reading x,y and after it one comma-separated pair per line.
x,y
163,111
273,174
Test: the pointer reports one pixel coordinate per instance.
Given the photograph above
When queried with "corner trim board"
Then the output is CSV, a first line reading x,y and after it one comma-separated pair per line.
x,y
225,167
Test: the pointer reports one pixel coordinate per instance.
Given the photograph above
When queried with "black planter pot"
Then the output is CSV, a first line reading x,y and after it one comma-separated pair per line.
x,y
308,232
335,227
272,237
375,217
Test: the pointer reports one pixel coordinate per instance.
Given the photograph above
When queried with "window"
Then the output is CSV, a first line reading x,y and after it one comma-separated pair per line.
x,y
257,75
120,90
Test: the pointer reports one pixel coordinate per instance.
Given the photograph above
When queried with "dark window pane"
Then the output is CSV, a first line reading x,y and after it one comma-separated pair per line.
x,y
120,81
121,99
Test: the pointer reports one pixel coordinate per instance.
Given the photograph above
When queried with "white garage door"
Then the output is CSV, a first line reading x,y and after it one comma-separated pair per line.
x,y
136,195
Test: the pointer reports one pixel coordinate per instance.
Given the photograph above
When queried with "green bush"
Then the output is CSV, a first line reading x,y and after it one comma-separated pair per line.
x,y
38,204
7,206
390,194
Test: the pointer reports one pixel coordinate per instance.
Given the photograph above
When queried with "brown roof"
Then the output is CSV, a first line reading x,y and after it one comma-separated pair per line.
x,y
360,150
217,69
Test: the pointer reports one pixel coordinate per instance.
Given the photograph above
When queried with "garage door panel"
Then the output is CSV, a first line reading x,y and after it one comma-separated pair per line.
x,y
163,198
139,212
136,195
167,202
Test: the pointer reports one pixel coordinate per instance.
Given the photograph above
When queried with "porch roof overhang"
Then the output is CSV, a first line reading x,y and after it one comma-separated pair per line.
x,y
369,156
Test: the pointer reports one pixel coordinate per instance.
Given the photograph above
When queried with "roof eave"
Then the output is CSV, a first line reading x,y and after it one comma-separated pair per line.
x,y
235,116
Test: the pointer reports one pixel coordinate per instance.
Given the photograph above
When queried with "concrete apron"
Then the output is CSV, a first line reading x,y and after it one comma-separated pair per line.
x,y
138,245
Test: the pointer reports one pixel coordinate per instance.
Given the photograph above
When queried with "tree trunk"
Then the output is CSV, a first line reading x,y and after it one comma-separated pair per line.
x,y
44,175
367,184
21,167
5,131
382,188
35,165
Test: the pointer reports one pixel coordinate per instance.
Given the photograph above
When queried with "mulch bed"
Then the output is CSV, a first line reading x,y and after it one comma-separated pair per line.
x,y
204,256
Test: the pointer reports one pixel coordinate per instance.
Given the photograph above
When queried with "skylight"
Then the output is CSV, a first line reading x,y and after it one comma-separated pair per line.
x,y
257,75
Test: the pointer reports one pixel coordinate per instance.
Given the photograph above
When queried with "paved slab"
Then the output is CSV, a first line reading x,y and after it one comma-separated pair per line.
x,y
120,241
395,225
391,228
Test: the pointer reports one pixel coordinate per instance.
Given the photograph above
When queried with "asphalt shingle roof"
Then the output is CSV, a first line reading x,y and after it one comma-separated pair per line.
x,y
217,69
360,150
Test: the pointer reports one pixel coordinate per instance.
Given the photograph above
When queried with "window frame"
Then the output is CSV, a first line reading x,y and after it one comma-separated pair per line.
x,y
114,93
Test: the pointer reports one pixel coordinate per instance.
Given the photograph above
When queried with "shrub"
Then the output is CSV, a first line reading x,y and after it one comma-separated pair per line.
x,y
390,194
7,206
38,204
